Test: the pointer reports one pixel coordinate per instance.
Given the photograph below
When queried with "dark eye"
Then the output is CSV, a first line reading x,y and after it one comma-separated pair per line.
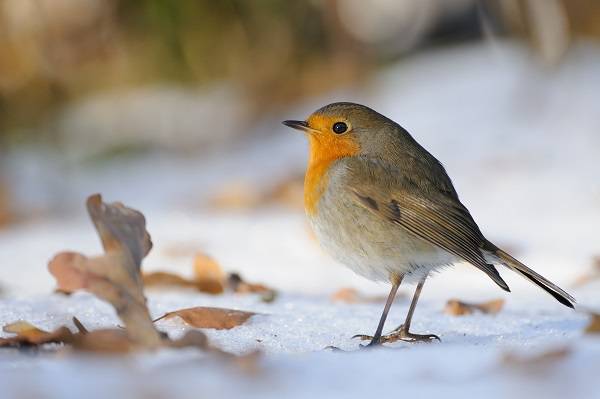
x,y
339,127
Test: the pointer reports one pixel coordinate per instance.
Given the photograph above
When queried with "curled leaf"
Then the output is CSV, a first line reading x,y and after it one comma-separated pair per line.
x,y
208,277
111,340
27,334
166,279
208,274
455,307
238,285
193,339
114,277
207,317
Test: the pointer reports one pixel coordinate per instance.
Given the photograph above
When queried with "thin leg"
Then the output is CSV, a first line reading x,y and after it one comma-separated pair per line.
x,y
388,304
401,333
413,303
376,339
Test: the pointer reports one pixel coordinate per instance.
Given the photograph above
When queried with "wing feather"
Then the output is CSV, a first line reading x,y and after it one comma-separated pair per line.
x,y
439,220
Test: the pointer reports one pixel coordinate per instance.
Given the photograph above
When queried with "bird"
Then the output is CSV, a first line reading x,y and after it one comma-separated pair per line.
x,y
381,204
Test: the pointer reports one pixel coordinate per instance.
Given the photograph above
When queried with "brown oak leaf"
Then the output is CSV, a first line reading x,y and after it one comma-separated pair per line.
x,y
114,277
455,307
27,334
208,274
207,317
240,286
352,295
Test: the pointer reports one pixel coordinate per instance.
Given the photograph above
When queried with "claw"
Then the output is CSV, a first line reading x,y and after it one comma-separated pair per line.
x,y
399,334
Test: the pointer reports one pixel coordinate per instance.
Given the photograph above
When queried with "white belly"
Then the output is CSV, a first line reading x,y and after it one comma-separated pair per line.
x,y
373,247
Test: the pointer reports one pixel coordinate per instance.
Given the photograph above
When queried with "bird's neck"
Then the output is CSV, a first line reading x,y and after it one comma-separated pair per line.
x,y
324,151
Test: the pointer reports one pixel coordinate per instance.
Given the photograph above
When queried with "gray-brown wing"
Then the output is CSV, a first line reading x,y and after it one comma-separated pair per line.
x,y
435,218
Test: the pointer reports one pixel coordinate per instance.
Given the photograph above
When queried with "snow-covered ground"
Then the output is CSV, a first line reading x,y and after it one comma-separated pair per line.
x,y
522,145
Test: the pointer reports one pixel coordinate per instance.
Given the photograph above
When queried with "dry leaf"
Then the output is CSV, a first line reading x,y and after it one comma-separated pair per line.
x,y
346,295
29,335
536,362
111,340
238,285
455,307
192,338
206,317
166,279
102,341
208,277
590,276
208,274
594,326
115,276
352,295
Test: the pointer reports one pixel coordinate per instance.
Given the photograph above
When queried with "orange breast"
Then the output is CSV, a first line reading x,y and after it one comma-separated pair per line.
x,y
325,148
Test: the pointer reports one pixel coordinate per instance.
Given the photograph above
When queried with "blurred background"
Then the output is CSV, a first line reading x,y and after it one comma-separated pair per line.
x,y
174,107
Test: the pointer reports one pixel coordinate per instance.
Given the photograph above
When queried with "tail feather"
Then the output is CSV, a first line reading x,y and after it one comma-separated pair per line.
x,y
558,293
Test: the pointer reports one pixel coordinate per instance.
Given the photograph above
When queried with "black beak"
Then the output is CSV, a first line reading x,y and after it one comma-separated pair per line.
x,y
298,125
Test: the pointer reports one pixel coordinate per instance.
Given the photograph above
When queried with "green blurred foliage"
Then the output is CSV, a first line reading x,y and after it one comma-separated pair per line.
x,y
272,50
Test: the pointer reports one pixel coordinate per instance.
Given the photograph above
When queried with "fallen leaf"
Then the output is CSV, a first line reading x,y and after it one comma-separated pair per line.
x,y
27,334
114,340
207,317
166,279
114,277
208,274
352,295
208,277
192,338
590,276
346,295
111,340
537,362
455,307
238,285
594,326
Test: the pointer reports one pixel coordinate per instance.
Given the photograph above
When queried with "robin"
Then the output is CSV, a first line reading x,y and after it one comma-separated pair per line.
x,y
382,205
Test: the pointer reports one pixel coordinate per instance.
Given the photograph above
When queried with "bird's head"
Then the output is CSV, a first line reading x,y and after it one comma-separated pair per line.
x,y
345,129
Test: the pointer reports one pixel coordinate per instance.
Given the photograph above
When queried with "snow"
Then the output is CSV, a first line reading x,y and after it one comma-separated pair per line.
x,y
521,144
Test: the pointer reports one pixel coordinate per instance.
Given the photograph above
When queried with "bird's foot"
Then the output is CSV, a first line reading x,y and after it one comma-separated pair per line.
x,y
399,334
